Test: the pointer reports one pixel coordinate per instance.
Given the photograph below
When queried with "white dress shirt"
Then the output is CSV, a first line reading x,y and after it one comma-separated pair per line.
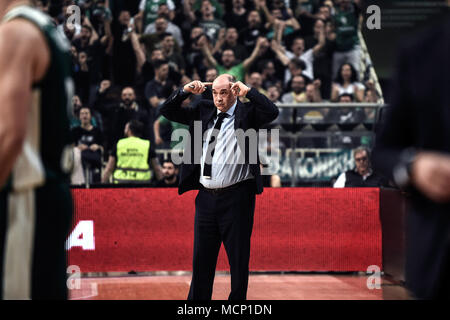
x,y
225,171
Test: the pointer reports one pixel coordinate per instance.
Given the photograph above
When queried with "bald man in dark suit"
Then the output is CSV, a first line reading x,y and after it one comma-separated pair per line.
x,y
226,200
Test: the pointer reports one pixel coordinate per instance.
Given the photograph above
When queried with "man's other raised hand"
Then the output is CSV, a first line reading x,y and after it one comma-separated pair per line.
x,y
196,87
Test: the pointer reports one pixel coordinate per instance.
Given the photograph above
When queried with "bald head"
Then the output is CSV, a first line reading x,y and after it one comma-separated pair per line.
x,y
222,94
223,79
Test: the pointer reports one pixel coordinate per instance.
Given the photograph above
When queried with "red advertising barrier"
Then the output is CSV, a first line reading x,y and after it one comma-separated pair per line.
x,y
295,229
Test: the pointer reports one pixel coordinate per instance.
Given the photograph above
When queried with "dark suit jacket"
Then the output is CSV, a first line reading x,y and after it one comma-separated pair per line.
x,y
419,118
251,115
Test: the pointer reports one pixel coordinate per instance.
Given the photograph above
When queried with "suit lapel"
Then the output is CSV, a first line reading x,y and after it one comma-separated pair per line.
x,y
238,114
207,117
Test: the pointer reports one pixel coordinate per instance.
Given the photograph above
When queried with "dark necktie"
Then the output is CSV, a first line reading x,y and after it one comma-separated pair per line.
x,y
211,145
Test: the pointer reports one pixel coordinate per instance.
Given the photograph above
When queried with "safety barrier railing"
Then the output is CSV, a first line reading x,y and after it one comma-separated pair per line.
x,y
366,66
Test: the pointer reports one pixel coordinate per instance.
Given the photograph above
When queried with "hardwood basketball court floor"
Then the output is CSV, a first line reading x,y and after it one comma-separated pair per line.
x,y
261,287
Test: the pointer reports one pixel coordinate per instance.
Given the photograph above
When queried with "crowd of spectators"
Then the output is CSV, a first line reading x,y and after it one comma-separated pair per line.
x,y
129,56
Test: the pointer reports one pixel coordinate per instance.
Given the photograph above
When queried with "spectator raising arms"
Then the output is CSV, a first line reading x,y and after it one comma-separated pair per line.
x,y
128,56
346,23
229,63
149,10
237,17
160,87
208,22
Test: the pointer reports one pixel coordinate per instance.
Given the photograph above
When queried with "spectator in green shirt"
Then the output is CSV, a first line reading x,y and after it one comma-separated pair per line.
x,y
346,24
229,63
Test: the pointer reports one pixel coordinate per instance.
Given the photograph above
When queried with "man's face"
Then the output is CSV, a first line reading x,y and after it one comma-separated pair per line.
x,y
276,13
160,25
298,46
211,74
124,18
273,94
222,95
254,20
325,12
76,103
85,115
197,31
298,84
206,8
255,80
231,36
329,28
168,170
128,96
238,3
168,43
362,162
310,92
294,69
269,69
105,84
318,26
163,10
264,46
345,99
228,58
85,34
163,71
157,55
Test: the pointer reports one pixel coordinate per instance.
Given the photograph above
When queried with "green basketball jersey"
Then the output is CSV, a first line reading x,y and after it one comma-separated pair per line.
x,y
346,24
46,154
151,11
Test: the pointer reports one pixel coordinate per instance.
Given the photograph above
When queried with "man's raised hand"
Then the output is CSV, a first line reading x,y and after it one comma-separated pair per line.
x,y
239,89
430,173
196,87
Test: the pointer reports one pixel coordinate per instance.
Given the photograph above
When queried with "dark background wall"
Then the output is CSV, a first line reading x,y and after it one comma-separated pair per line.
x,y
399,19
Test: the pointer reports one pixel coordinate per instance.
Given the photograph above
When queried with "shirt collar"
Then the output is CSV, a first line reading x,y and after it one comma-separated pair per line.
x,y
230,111
368,174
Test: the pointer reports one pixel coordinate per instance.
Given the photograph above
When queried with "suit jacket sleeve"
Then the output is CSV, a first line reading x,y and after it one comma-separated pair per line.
x,y
396,136
265,111
172,110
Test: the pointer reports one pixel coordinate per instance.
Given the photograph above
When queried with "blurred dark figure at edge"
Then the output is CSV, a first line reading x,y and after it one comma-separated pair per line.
x,y
413,148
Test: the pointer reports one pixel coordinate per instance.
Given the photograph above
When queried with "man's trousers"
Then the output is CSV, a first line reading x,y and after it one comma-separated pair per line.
x,y
226,217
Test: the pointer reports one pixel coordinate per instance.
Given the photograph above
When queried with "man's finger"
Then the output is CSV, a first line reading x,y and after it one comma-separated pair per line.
x,y
203,83
193,85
